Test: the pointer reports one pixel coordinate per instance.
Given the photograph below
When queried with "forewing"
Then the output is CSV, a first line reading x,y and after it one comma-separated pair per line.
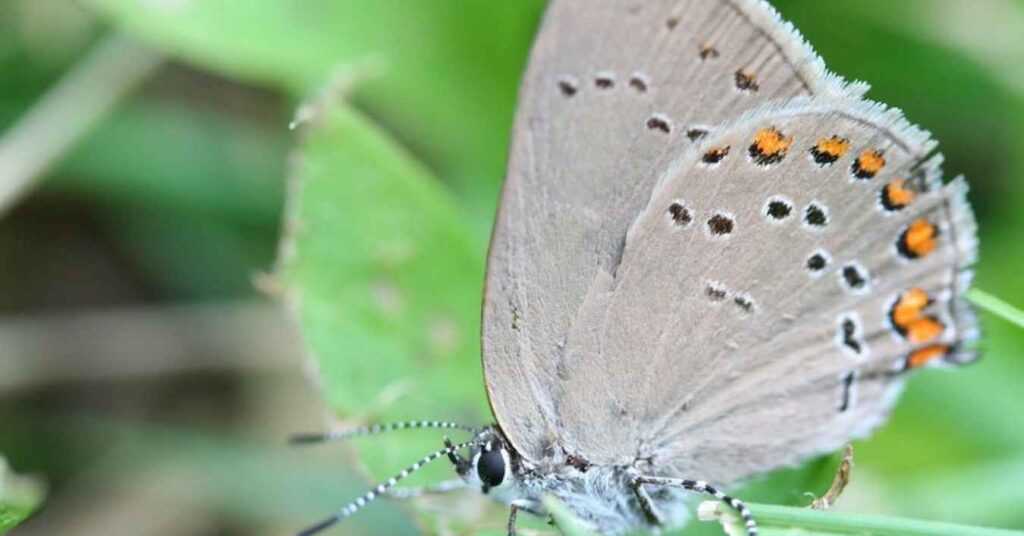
x,y
614,92
787,274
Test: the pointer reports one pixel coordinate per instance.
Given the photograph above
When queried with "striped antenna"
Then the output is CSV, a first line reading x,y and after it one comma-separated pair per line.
x,y
381,488
341,435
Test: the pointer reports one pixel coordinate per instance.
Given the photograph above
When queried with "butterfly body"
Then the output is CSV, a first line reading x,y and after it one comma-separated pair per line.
x,y
600,496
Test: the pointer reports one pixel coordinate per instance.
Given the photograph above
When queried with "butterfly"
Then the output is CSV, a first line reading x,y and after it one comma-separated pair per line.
x,y
712,258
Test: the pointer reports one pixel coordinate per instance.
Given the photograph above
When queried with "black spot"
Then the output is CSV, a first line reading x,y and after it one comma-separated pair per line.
x,y
657,122
671,22
696,133
744,303
815,216
816,262
849,335
720,225
680,214
715,155
638,84
823,158
708,52
746,81
847,391
763,159
568,88
849,328
604,82
778,210
854,278
715,294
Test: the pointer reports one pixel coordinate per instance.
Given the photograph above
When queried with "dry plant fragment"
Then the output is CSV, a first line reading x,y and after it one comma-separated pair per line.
x,y
839,482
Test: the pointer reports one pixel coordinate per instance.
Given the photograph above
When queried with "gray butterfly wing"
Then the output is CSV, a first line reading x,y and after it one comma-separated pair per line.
x,y
615,90
786,274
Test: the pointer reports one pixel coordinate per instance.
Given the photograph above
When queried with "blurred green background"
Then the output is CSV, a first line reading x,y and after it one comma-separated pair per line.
x,y
147,378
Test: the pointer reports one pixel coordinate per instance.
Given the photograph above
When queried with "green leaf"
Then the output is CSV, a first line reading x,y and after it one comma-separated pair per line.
x,y
20,496
386,283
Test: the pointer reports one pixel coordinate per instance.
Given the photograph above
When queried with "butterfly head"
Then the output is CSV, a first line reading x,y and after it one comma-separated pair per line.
x,y
490,464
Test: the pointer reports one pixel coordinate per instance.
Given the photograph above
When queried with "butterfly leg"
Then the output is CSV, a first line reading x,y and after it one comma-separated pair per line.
x,y
646,504
692,485
407,493
533,507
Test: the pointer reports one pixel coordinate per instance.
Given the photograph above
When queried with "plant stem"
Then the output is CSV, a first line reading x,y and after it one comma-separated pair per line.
x,y
996,306
67,111
810,522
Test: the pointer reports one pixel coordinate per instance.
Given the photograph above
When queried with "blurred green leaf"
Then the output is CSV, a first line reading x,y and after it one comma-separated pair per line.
x,y
20,496
386,284
442,74
172,156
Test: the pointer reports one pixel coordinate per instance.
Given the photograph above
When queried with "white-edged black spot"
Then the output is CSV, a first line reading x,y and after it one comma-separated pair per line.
x,y
680,214
817,262
696,133
848,335
721,225
744,302
568,86
746,81
715,292
707,52
604,80
846,399
659,122
640,82
815,216
854,278
715,155
778,209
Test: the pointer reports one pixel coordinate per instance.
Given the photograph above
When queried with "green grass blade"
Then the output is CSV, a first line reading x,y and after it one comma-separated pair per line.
x,y
788,520
567,524
996,306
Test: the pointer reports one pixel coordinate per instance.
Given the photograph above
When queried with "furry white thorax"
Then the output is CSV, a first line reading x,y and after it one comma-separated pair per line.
x,y
601,496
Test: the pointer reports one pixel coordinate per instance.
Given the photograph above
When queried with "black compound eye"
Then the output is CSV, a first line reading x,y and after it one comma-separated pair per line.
x,y
491,467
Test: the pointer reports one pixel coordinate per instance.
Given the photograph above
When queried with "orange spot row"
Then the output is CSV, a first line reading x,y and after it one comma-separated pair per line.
x,y
770,146
896,195
923,356
919,239
924,330
868,164
715,154
908,319
908,308
828,150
